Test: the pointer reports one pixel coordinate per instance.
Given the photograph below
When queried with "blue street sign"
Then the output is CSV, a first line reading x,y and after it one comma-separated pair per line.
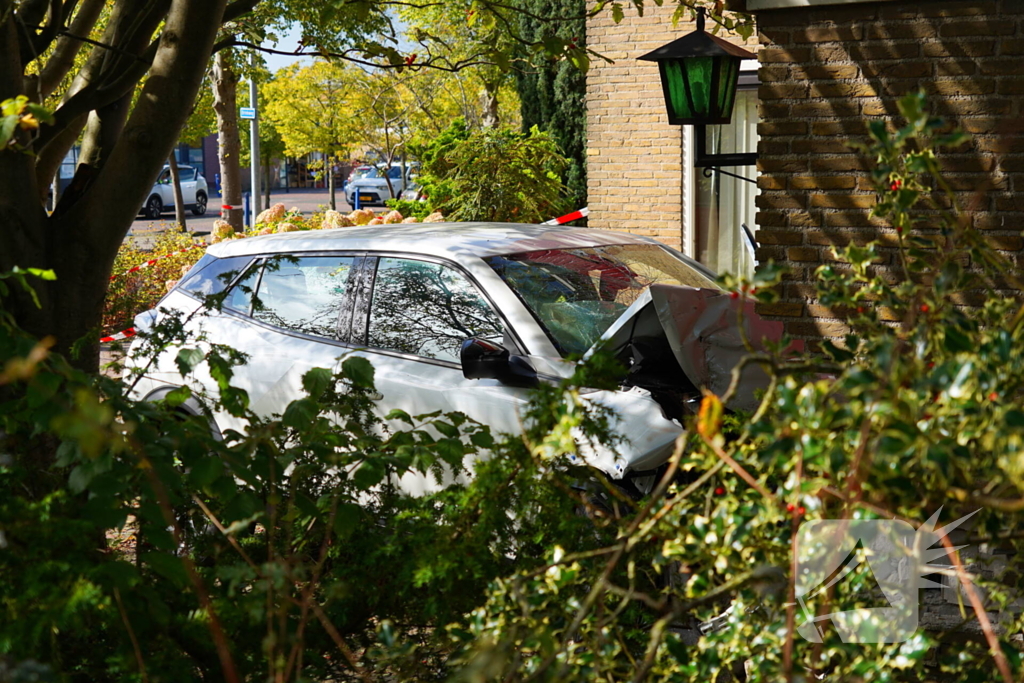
x,y
247,113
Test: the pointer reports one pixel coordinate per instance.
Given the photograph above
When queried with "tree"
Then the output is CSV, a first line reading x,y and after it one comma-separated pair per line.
x,y
225,104
553,95
166,47
311,109
114,53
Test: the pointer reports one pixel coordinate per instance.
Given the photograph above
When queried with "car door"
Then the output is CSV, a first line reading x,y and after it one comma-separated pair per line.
x,y
286,316
187,176
414,316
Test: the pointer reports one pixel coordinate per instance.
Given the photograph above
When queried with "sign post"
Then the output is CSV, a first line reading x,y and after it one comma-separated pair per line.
x,y
254,138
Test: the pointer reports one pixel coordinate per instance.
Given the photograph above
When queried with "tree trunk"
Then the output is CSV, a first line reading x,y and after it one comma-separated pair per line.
x,y
330,184
179,201
490,106
80,240
266,182
225,104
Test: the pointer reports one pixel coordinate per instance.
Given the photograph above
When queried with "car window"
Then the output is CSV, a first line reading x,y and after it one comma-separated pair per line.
x,y
215,276
395,172
576,294
303,294
427,309
240,297
165,176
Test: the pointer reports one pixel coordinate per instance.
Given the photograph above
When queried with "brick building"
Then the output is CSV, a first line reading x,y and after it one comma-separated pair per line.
x,y
826,67
641,173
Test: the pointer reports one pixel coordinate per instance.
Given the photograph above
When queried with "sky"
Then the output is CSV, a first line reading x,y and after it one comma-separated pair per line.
x,y
288,41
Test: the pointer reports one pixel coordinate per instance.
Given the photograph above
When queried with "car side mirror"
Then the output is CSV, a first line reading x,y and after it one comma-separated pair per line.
x,y
482,359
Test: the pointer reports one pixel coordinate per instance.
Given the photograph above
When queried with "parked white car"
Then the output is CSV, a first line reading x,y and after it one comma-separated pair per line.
x,y
194,193
372,187
462,317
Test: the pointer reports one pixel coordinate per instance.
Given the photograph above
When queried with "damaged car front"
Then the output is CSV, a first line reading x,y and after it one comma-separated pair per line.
x,y
661,315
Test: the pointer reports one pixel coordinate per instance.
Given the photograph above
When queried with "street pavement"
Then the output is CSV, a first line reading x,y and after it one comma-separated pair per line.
x,y
306,200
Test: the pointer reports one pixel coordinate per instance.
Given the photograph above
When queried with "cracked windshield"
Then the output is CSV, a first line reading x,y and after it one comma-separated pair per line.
x,y
576,294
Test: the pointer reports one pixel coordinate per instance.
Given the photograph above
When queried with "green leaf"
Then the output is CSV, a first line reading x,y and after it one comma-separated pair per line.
x,y
176,397
317,381
399,414
370,473
1014,418
168,566
956,341
359,371
300,413
447,429
205,471
346,519
187,360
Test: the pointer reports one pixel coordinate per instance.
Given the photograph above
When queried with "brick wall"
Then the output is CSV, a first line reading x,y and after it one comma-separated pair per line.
x,y
635,169
826,72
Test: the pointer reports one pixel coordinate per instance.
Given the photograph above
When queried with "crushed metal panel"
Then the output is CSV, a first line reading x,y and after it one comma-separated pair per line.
x,y
703,329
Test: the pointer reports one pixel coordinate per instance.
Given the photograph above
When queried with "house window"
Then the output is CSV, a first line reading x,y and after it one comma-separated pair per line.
x,y
722,208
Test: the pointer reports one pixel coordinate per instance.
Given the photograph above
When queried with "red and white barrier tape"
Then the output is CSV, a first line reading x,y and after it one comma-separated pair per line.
x,y
151,261
123,334
574,216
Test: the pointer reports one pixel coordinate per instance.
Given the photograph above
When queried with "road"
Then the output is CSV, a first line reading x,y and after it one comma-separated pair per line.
x,y
306,200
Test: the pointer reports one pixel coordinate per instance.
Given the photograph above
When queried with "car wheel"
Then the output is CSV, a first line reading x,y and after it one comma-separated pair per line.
x,y
200,207
154,207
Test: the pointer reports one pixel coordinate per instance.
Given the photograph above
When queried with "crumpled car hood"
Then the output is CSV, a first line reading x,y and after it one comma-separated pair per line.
x,y
703,329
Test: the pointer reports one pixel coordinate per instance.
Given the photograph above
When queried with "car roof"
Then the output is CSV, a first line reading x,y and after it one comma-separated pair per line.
x,y
437,239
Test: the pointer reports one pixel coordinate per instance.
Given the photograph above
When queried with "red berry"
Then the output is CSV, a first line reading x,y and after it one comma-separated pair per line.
x,y
993,396
899,229
896,184
860,309
925,308
931,364
801,510
790,507
719,491
734,295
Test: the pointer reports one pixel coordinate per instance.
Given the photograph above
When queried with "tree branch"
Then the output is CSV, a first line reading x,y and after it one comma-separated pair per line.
x,y
63,58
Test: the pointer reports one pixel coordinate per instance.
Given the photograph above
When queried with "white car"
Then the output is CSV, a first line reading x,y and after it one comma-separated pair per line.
x,y
463,317
194,193
372,187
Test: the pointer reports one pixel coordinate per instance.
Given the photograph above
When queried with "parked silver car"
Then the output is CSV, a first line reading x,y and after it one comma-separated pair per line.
x,y
464,317
373,188
194,193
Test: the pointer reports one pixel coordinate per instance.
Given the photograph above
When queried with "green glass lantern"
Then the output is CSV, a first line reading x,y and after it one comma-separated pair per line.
x,y
699,73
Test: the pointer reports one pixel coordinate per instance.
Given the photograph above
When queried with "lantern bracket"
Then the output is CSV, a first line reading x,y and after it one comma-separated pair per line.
x,y
702,159
711,170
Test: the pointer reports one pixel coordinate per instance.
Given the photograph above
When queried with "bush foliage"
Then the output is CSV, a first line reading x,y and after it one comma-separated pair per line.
x,y
136,545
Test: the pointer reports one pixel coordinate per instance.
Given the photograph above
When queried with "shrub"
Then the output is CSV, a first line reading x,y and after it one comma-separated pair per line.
x,y
130,294
493,175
